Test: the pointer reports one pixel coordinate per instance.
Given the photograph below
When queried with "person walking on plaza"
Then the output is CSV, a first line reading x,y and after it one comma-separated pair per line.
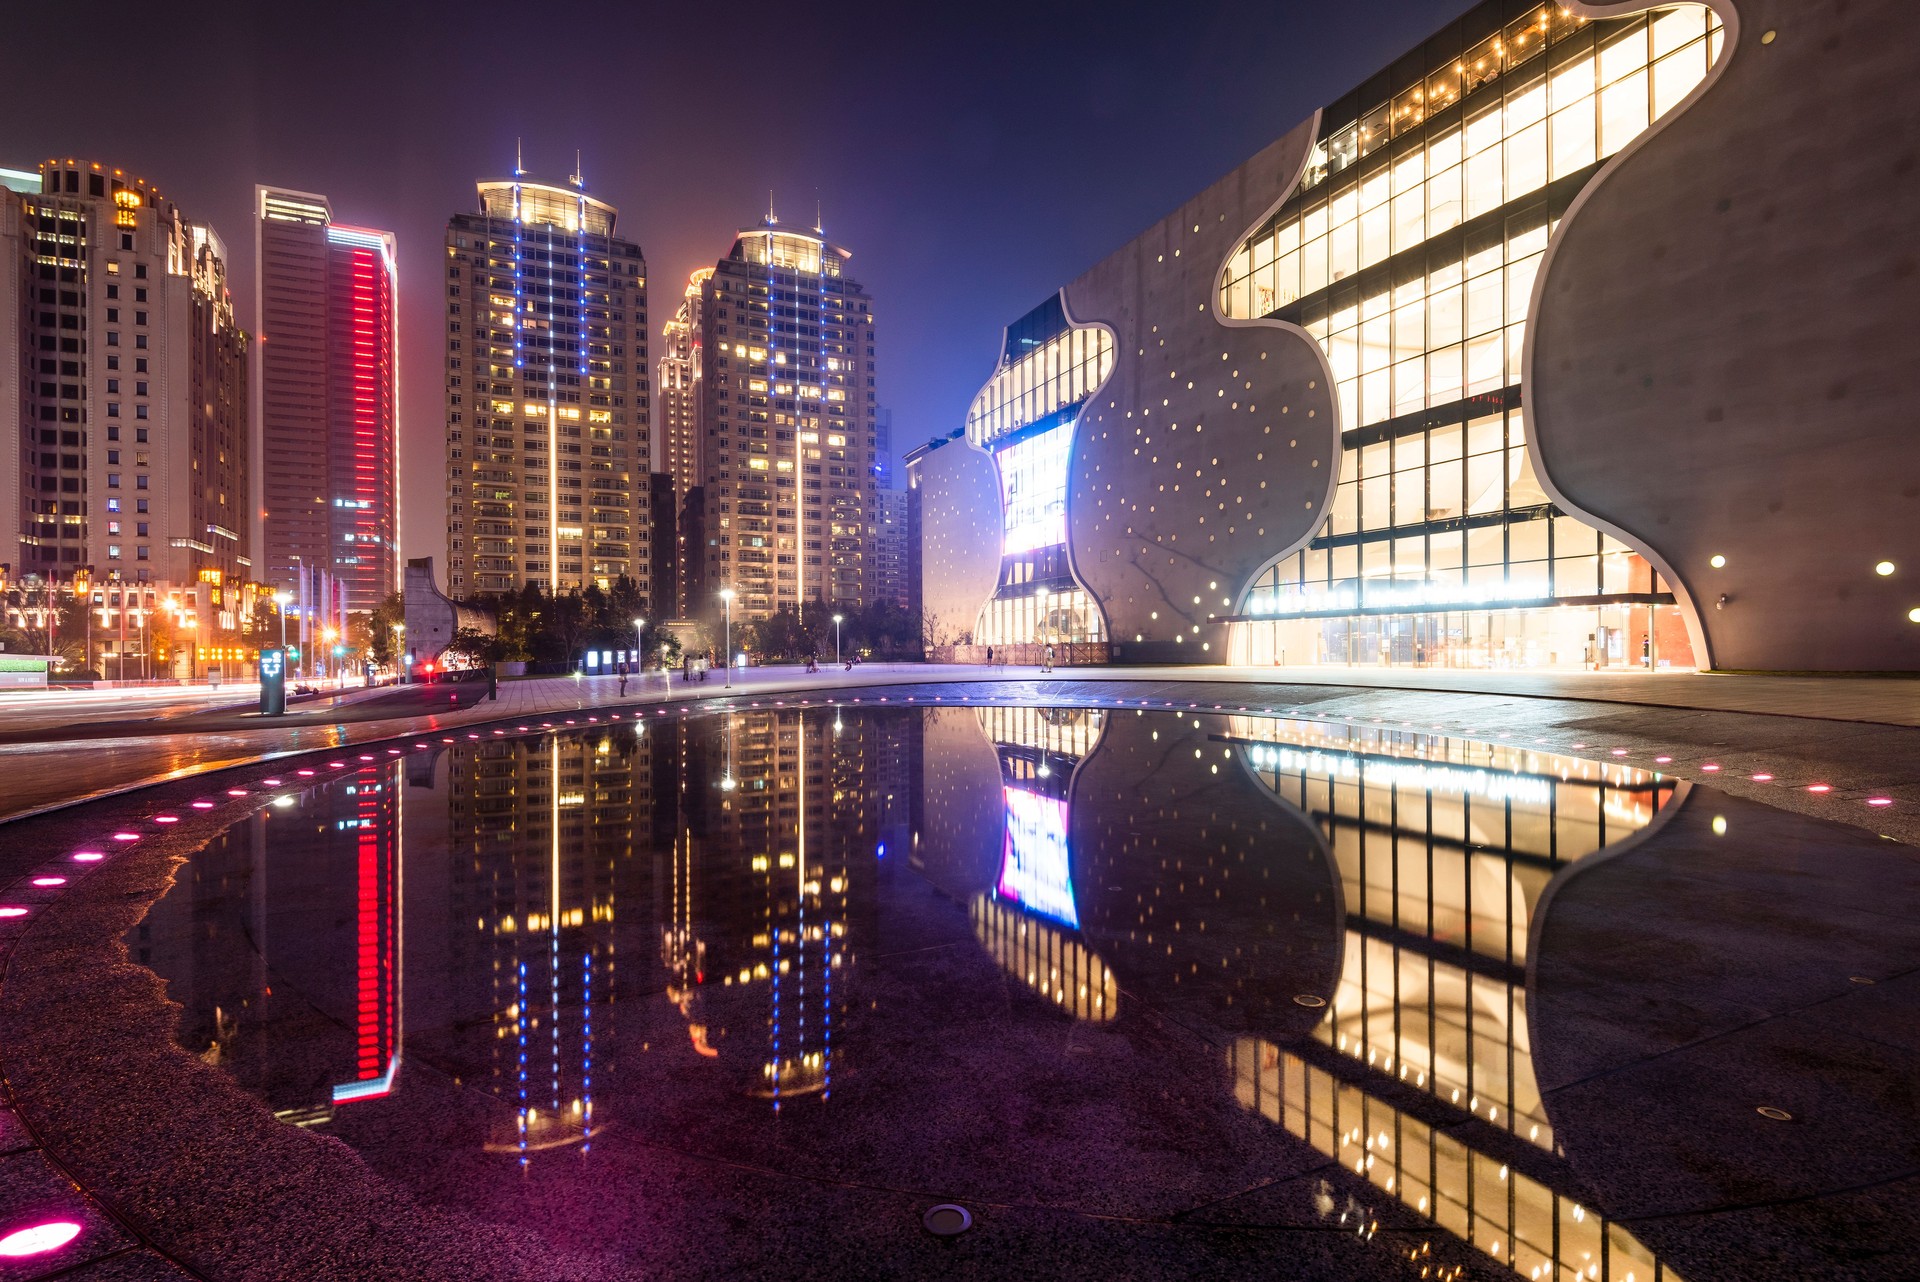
x,y
1047,666
623,678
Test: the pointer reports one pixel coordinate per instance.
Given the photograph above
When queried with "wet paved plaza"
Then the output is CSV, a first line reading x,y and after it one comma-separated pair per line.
x,y
1160,991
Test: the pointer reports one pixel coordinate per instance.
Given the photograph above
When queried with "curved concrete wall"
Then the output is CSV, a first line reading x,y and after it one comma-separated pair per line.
x,y
1722,351
959,541
1211,449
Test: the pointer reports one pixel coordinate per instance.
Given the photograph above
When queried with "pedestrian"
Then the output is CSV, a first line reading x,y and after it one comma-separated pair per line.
x,y
989,656
623,678
1049,663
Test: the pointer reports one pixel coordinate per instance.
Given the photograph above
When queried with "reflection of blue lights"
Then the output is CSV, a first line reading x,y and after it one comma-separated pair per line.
x,y
880,851
1035,863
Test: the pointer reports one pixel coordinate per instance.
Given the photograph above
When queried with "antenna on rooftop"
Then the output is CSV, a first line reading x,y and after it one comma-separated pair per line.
x,y
519,167
771,219
577,178
818,222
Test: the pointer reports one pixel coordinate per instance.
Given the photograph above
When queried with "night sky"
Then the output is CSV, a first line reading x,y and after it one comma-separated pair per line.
x,y
973,157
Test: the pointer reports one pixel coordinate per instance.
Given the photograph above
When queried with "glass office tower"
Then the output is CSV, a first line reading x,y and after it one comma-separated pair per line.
x,y
1024,417
1409,253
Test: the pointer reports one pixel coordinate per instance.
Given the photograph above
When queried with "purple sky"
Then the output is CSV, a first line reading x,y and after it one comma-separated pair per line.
x,y
972,157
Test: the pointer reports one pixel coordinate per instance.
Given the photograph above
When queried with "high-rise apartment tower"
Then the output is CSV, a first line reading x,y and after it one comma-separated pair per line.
x,y
126,381
326,398
547,393
787,416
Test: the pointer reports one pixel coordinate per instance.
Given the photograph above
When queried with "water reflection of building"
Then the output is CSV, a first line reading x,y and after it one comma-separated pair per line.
x,y
249,942
771,855
541,836
1444,851
1030,919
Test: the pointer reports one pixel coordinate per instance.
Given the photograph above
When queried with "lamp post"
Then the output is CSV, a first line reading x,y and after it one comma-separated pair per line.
x,y
726,594
639,647
280,600
399,654
836,640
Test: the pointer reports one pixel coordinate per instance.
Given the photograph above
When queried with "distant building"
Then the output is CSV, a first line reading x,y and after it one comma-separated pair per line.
x,y
787,416
676,442
663,602
326,402
129,377
125,374
892,582
547,393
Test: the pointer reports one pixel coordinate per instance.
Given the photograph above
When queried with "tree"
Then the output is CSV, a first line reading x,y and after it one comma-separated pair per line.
x,y
380,628
474,647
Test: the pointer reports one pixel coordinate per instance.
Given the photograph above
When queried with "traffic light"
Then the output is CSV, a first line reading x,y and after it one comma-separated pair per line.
x,y
339,650
293,652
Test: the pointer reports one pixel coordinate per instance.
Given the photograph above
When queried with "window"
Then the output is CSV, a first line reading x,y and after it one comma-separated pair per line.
x,y
139,411
113,480
140,482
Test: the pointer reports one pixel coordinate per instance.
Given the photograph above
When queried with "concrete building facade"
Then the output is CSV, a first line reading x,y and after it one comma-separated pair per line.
x,y
1418,384
326,399
547,393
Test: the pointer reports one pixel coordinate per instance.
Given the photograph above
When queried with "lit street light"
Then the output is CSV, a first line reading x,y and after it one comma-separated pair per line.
x,y
639,647
280,600
836,640
726,594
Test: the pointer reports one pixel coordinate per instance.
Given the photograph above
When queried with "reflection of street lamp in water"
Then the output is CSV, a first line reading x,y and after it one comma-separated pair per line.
x,y
726,781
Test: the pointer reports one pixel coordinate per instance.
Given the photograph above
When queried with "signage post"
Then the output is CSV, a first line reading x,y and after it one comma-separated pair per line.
x,y
273,682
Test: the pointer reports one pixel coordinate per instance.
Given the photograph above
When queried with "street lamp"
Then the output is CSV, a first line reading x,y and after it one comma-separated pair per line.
x,y
836,640
399,654
640,649
726,594
280,599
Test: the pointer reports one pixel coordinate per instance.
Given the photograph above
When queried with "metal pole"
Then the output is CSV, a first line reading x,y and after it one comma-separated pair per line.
x,y
729,654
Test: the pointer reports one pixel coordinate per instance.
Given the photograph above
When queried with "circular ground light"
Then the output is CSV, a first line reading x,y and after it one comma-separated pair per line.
x,y
947,1220
1309,1000
39,1239
1777,1114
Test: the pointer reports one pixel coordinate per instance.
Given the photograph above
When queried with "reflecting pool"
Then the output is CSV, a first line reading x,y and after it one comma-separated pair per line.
x,y
641,994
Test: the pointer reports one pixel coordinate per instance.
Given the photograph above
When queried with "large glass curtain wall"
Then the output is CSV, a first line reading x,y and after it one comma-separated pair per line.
x,y
1410,253
1025,418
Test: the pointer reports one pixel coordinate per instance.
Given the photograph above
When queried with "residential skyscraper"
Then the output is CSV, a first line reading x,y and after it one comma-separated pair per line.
x,y
787,416
127,379
677,443
547,393
326,398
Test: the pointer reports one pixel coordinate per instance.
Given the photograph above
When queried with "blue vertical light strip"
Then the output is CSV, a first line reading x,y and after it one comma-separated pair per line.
x,y
586,1049
776,1012
581,329
520,1036
519,365
553,1002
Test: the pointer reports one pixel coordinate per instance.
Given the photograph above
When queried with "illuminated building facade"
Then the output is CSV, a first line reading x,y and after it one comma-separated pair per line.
x,y
547,393
677,389
1363,408
326,406
1409,254
126,378
787,416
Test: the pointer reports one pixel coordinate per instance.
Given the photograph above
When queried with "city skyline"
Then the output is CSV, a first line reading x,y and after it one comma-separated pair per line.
x,y
933,172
